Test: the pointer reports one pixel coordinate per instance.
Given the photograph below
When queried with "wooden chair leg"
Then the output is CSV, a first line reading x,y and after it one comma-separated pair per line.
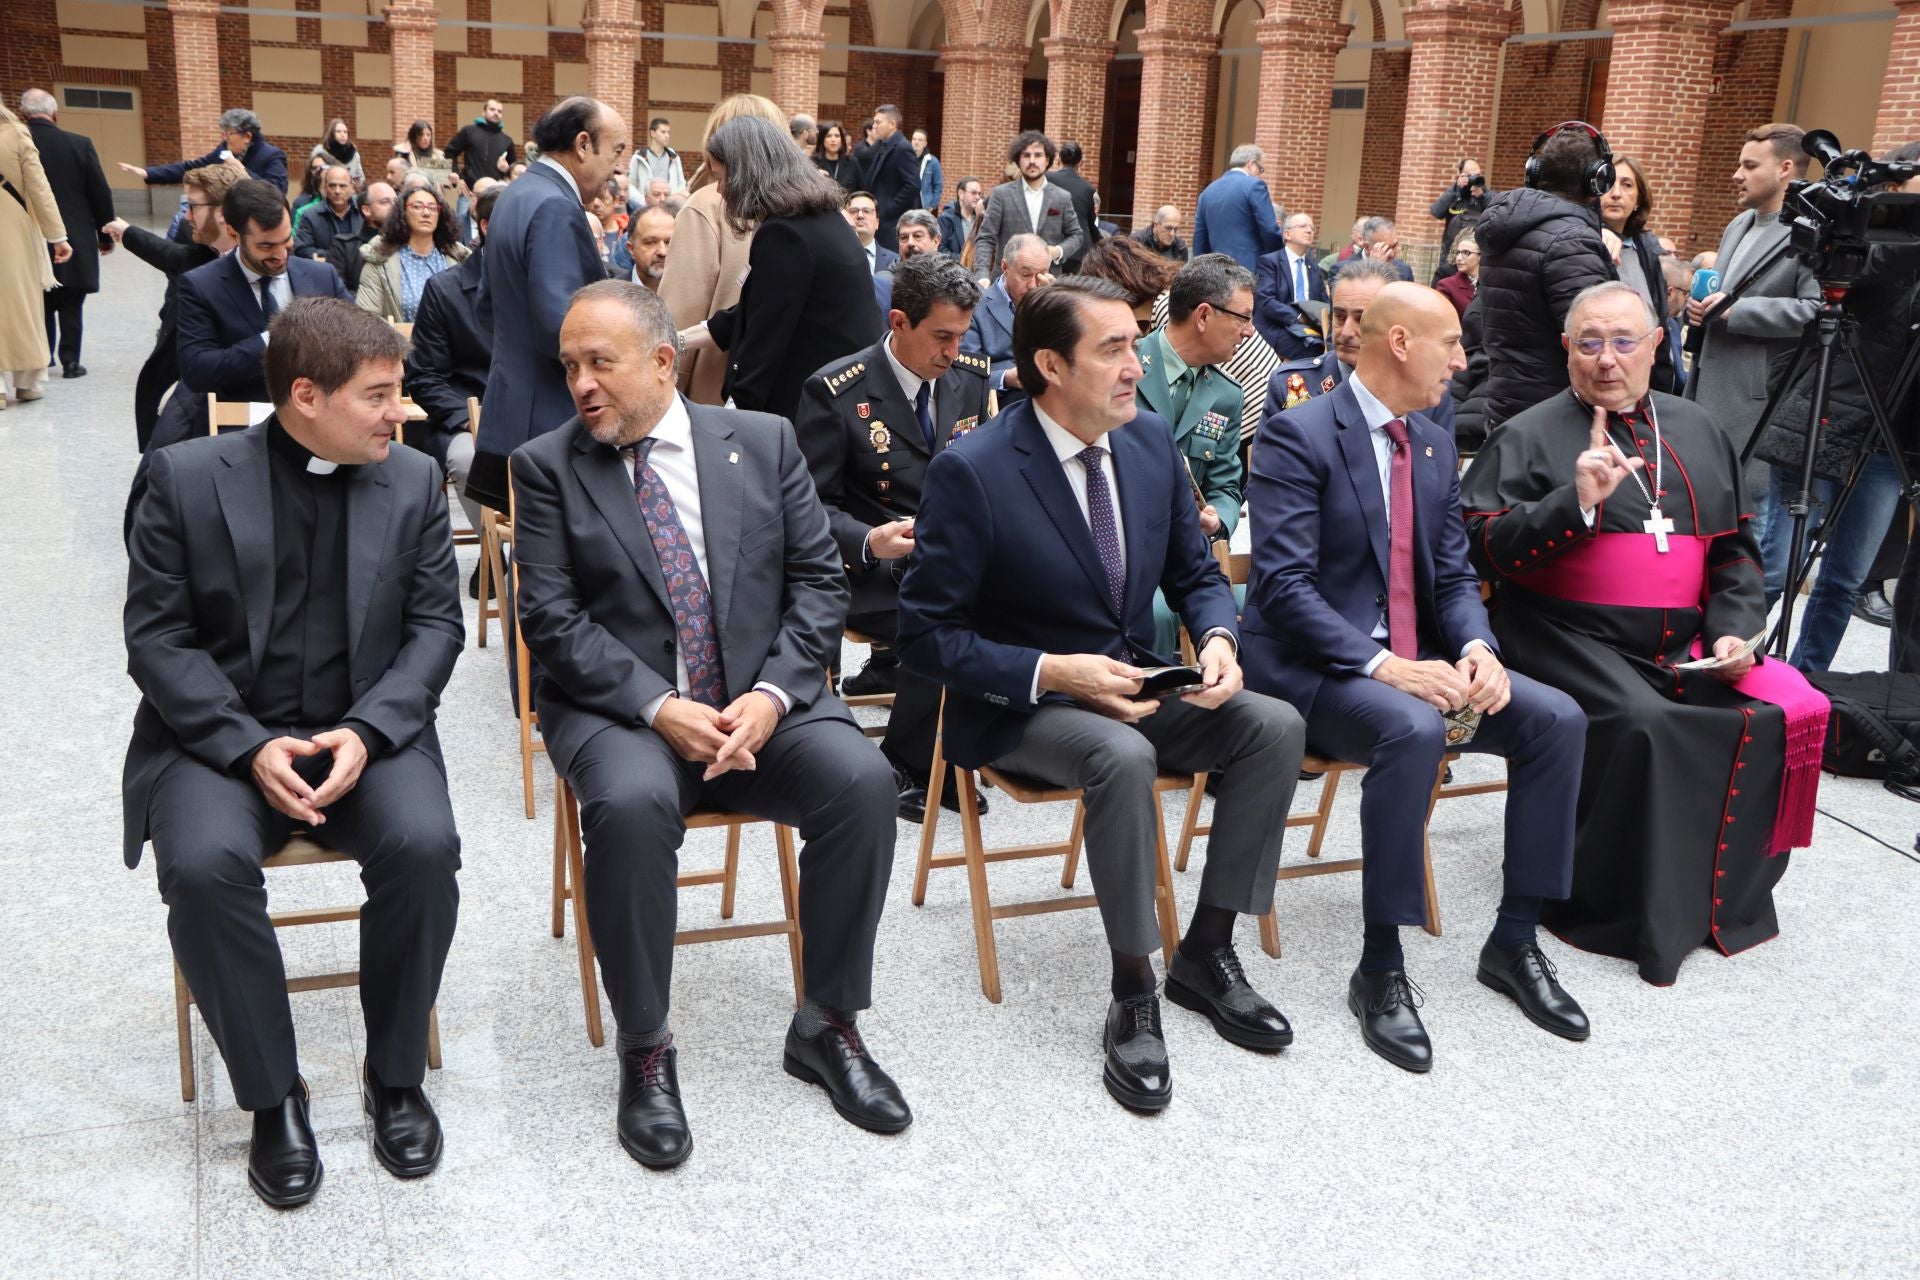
x,y
790,894
1270,931
485,571
183,1021
930,823
977,887
433,1037
559,867
582,936
1163,885
523,681
732,874
1195,795
1329,788
1426,852
1075,838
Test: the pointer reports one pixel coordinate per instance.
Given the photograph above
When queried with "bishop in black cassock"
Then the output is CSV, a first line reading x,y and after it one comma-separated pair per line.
x,y
1613,525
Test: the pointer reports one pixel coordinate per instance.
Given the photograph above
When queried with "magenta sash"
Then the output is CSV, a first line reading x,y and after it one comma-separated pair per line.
x,y
1625,569
1806,710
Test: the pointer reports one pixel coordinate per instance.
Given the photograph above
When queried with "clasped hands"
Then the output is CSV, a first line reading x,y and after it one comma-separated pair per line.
x,y
1478,680
293,795
1107,685
721,740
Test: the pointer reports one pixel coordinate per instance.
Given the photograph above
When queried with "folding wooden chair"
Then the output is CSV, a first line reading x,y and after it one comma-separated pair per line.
x,y
496,533
222,414
569,883
299,851
865,699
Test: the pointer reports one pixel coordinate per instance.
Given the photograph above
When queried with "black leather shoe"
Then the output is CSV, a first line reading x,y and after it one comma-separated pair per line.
x,y
1137,1073
1218,987
837,1060
1873,606
1388,1006
1526,974
913,800
653,1126
75,371
875,677
283,1162
406,1132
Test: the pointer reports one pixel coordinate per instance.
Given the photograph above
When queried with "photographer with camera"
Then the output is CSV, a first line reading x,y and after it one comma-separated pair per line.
x,y
1459,206
1885,304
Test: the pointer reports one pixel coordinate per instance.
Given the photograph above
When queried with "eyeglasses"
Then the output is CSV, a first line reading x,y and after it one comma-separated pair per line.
x,y
1229,311
1622,346
1466,253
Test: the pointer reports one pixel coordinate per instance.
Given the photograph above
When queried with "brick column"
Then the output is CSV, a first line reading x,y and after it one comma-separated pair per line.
x,y
1077,95
196,71
1450,104
410,25
612,48
981,113
1899,119
1298,40
1666,46
1174,162
796,70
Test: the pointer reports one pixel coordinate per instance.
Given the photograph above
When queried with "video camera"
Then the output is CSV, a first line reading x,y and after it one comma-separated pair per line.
x,y
1837,219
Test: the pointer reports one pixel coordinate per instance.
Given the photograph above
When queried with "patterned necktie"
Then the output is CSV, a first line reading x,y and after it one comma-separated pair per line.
x,y
923,410
686,585
1299,279
268,307
1403,630
1106,531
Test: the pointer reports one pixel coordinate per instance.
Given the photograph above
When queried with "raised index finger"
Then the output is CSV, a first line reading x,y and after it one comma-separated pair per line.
x,y
1598,437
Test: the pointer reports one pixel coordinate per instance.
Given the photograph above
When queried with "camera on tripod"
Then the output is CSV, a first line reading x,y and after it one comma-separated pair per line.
x,y
1839,218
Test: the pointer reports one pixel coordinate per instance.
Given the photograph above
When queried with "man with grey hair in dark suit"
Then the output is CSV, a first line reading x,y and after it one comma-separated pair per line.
x,y
682,593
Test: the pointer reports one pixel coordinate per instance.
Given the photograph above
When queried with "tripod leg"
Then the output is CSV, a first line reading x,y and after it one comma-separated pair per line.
x,y
1829,334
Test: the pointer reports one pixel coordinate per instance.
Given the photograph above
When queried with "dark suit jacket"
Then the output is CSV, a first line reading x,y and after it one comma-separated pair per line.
x,y
1275,311
884,259
263,161
1005,570
200,597
1319,581
173,259
593,603
450,354
893,176
990,333
1315,372
869,457
808,300
85,200
1234,216
221,324
1081,190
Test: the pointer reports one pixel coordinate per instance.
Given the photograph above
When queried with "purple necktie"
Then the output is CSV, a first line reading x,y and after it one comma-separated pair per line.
x,y
1403,627
686,586
1106,532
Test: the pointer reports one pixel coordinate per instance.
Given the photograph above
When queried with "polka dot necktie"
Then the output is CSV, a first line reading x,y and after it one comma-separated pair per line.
x,y
1106,530
686,585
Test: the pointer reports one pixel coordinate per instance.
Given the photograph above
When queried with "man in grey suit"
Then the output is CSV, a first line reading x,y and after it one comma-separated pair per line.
x,y
1777,296
682,593
292,616
1030,205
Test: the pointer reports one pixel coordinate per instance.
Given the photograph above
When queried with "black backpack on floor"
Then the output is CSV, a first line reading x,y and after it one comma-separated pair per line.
x,y
1874,731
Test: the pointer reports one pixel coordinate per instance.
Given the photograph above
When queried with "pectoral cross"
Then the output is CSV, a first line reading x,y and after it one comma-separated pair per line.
x,y
1659,526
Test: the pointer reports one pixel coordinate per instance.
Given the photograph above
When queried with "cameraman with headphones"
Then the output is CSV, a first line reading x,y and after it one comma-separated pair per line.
x,y
1540,245
1459,206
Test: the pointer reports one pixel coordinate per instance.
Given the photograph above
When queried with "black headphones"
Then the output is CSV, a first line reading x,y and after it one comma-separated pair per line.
x,y
1599,174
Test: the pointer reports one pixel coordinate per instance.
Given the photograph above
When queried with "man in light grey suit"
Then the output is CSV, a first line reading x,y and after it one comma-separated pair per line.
x,y
1031,205
1729,377
682,593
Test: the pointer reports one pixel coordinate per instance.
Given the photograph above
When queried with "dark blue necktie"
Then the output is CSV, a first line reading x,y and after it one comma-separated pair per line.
x,y
923,410
1106,530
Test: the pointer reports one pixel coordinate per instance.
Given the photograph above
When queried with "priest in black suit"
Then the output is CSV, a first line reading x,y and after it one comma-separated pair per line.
x,y
292,616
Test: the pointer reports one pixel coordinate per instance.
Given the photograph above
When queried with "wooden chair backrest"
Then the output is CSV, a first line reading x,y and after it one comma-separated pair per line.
x,y
473,416
226,413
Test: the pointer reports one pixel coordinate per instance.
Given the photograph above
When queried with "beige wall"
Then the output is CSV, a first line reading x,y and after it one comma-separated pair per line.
x,y
1841,74
1239,97
117,136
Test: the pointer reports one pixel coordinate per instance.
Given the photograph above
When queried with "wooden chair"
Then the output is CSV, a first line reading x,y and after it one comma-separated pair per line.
x,y
569,882
523,688
975,856
865,699
495,534
222,414
300,851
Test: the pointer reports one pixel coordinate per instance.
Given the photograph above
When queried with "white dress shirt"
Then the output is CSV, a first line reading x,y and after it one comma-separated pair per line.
x,y
561,169
873,258
672,460
1377,417
280,287
910,381
1295,267
1036,202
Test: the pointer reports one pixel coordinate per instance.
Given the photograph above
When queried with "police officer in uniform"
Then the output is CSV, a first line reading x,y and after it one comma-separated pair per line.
x,y
869,425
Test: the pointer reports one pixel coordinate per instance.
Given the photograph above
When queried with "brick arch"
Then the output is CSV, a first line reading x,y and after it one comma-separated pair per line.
x,y
1386,119
1087,19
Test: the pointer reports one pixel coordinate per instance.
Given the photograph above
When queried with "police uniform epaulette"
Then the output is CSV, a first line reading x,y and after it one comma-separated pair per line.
x,y
835,381
979,364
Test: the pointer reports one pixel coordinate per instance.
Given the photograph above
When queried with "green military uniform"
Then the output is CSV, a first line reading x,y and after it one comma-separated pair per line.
x,y
1205,416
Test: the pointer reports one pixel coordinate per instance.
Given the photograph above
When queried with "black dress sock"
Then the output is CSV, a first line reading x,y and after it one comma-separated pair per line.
x,y
1132,976
626,1040
1210,929
1381,951
1514,925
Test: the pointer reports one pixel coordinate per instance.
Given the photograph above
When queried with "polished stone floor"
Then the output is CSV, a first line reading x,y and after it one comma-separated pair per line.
x,y
1758,1117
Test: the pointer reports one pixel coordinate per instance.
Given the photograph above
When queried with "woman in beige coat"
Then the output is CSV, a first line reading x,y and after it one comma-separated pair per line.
x,y
707,260
417,244
29,225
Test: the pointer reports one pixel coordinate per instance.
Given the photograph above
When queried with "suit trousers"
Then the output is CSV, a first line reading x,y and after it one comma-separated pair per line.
x,y
212,830
914,717
63,324
822,777
1253,741
1401,740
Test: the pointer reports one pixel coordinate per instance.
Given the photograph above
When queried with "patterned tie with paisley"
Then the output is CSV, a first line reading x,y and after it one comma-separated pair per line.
x,y
686,585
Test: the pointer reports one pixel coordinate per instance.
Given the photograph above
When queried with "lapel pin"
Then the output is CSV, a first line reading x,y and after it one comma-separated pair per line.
x,y
735,457
1429,451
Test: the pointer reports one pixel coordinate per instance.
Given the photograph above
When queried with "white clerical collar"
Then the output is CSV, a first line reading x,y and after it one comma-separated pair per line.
x,y
1066,445
1377,415
321,467
561,169
908,379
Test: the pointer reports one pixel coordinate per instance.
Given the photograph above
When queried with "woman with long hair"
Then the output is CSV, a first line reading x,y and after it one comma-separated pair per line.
x,y
1144,274
418,242
834,155
339,148
431,160
310,187
1623,211
708,258
808,296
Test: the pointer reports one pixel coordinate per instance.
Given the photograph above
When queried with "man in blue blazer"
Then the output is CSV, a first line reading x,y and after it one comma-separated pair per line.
x,y
539,253
1235,215
1023,268
892,172
242,139
1040,540
1289,289
1363,611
